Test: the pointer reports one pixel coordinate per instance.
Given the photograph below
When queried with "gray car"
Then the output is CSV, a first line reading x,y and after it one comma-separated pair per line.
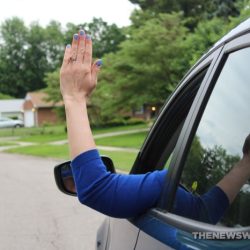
x,y
198,136
10,123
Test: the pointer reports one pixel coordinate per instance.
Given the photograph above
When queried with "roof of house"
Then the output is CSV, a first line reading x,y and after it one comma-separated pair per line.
x,y
39,100
11,105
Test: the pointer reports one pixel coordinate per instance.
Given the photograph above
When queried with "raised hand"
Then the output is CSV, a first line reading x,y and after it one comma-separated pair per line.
x,y
246,146
78,76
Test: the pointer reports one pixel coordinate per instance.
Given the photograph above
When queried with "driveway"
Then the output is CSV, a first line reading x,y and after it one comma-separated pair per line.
x,y
35,215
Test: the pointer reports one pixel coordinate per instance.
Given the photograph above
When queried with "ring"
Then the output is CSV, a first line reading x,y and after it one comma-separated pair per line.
x,y
71,59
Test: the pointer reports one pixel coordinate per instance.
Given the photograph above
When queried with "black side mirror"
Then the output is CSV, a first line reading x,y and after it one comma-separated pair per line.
x,y
64,177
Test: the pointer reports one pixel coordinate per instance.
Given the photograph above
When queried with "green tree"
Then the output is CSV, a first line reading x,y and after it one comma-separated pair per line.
x,y
194,11
147,67
26,54
12,55
106,38
5,97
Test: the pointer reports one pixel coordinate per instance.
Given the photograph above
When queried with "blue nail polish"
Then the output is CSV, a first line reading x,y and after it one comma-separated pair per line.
x,y
81,32
99,63
88,37
68,46
75,36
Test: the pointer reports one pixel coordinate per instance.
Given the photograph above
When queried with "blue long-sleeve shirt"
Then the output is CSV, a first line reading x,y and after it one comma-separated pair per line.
x,y
124,196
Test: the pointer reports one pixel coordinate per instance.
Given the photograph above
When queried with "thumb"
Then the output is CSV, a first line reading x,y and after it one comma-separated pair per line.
x,y
96,67
246,146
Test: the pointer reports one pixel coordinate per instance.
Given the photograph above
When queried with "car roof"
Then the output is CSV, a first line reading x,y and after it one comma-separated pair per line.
x,y
242,28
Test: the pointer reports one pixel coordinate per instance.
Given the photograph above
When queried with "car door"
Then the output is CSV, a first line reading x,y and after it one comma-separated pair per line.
x,y
123,234
215,127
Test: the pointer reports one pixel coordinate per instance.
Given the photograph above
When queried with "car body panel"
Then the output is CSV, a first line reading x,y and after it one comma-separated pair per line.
x,y
161,230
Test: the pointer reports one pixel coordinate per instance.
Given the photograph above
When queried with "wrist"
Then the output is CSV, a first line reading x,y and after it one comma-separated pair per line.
x,y
244,166
69,101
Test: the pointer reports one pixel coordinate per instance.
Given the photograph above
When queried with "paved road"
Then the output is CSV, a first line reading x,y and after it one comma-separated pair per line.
x,y
34,215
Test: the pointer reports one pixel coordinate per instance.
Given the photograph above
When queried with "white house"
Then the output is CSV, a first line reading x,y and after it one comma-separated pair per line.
x,y
12,108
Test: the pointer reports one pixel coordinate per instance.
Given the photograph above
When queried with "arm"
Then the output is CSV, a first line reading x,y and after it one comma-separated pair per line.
x,y
95,186
237,177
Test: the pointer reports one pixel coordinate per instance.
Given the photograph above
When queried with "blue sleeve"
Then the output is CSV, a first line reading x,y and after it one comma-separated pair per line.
x,y
116,195
125,196
209,207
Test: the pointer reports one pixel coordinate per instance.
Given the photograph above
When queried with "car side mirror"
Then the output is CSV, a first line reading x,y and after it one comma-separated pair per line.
x,y
64,176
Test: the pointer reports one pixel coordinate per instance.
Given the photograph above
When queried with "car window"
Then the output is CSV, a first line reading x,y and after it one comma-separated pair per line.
x,y
165,132
217,144
182,109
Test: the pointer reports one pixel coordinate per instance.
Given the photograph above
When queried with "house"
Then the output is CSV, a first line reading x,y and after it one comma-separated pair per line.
x,y
12,108
147,111
38,110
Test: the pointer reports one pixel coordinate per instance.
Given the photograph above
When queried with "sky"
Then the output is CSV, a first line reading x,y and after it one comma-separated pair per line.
x,y
74,11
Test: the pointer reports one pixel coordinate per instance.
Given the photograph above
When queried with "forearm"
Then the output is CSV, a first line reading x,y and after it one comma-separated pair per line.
x,y
79,133
235,179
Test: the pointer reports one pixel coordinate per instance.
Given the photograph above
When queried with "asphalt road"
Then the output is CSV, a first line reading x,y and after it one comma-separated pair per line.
x,y
34,214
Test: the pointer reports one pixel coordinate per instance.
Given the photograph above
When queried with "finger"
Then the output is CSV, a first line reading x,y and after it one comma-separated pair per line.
x,y
67,54
81,46
96,67
87,61
74,47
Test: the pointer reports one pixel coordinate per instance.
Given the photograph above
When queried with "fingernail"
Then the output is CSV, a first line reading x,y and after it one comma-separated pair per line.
x,y
68,46
76,36
88,37
81,32
99,63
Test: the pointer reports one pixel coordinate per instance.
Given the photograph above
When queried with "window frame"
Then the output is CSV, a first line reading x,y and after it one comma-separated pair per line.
x,y
148,157
183,145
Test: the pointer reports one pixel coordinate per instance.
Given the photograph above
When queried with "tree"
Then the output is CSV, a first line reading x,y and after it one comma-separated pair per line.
x,y
106,38
193,10
12,56
27,54
146,68
5,97
207,166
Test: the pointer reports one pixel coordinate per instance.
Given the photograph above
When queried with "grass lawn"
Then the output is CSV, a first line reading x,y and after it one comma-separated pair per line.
x,y
7,143
44,138
41,136
55,133
43,150
97,131
122,160
8,132
131,140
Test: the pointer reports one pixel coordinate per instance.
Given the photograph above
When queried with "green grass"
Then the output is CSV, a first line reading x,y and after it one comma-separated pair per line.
x,y
55,133
43,150
131,140
7,143
25,132
122,160
97,131
43,138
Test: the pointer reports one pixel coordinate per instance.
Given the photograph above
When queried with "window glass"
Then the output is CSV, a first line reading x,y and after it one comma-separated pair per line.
x,y
182,107
217,145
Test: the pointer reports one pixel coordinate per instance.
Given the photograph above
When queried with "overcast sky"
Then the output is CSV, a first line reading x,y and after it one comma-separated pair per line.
x,y
75,11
